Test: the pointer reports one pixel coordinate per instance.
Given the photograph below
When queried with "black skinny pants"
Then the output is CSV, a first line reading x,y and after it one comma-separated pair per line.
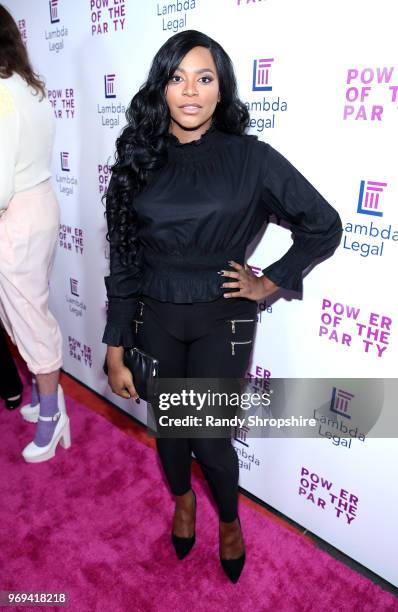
x,y
195,341
10,381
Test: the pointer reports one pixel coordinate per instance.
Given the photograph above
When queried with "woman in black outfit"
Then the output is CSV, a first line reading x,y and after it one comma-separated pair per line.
x,y
189,191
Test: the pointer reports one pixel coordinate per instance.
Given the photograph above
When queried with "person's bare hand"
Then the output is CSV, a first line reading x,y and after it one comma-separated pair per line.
x,y
249,285
120,378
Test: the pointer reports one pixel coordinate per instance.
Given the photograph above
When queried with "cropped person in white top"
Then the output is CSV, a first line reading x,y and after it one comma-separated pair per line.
x,y
29,222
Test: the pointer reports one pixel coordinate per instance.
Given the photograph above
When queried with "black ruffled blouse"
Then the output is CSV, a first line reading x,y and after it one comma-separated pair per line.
x,y
203,208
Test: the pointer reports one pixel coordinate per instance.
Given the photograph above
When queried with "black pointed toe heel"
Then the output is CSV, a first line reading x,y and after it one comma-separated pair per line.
x,y
233,567
183,545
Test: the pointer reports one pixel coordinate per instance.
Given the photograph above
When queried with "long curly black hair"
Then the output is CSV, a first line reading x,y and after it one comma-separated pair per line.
x,y
142,146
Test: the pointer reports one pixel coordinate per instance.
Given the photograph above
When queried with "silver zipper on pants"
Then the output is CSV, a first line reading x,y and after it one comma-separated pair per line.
x,y
233,342
136,324
140,314
233,321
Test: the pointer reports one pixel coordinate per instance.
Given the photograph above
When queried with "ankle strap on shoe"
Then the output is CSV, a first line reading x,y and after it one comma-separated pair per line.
x,y
51,418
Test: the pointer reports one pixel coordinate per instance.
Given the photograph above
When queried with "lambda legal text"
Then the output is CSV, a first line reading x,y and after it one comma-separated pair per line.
x,y
366,248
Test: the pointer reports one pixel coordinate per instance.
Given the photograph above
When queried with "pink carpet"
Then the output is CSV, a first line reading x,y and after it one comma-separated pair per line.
x,y
94,522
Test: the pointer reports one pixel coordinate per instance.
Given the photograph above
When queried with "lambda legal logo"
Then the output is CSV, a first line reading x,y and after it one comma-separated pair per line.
x,y
109,82
54,11
261,74
340,402
65,161
246,456
74,287
240,434
369,198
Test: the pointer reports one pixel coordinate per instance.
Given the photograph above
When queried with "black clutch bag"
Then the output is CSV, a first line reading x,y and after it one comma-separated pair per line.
x,y
144,369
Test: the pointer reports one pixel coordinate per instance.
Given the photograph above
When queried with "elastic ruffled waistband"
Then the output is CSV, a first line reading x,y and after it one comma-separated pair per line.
x,y
180,289
187,278
193,262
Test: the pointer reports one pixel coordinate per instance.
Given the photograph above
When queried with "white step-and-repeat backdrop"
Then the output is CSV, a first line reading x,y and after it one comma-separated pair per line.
x,y
321,83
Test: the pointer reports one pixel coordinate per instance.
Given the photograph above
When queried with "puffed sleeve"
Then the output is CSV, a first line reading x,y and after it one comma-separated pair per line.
x,y
123,286
316,225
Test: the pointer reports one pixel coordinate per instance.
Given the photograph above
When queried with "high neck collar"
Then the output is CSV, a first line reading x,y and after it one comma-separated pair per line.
x,y
205,136
194,149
